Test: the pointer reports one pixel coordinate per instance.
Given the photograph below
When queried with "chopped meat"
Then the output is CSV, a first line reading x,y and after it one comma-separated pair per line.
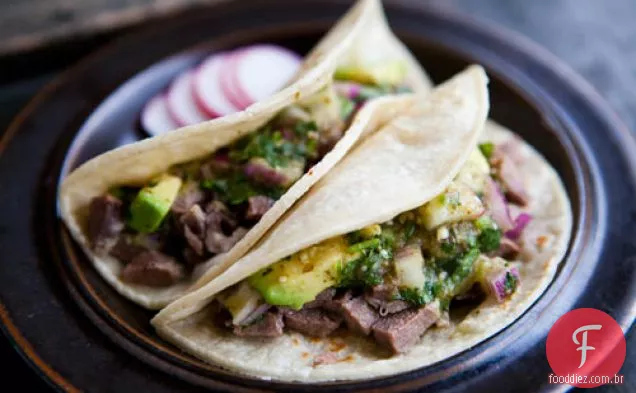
x,y
105,222
191,258
507,249
357,313
324,299
271,325
219,222
154,269
125,250
218,164
329,137
325,358
193,223
190,195
312,322
399,332
381,298
257,206
219,216
508,173
218,243
259,170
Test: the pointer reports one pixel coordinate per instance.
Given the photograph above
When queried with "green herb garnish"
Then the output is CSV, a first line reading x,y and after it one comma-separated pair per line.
x,y
487,149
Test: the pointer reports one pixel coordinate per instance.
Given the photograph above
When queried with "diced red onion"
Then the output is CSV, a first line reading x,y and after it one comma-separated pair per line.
x,y
497,284
521,222
348,89
498,206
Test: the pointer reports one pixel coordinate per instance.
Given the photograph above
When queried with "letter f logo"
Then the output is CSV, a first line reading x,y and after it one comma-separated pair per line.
x,y
584,347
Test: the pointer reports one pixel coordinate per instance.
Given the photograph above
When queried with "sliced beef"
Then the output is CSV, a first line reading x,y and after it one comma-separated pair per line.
x,y
312,322
220,163
190,195
257,206
218,243
105,222
271,325
508,249
193,223
357,313
324,299
125,250
511,178
381,298
329,137
154,269
221,232
399,332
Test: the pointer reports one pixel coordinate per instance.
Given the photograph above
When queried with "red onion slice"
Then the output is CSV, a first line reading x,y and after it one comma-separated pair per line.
x,y
521,222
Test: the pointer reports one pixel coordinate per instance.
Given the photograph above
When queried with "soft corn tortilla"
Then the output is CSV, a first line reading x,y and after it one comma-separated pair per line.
x,y
400,167
361,38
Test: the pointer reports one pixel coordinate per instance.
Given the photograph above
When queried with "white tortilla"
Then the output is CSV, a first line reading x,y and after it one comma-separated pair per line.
x,y
400,167
363,29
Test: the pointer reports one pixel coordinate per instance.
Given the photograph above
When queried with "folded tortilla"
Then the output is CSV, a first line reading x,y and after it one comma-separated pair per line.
x,y
362,38
405,164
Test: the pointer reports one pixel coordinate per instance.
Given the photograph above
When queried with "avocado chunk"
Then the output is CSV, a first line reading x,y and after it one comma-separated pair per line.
x,y
389,73
152,204
298,279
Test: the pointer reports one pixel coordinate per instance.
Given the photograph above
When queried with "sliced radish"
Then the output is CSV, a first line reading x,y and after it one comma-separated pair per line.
x,y
155,118
181,103
262,70
208,92
228,82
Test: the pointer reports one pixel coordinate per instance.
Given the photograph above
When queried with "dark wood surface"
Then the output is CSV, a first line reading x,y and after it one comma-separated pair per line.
x,y
597,38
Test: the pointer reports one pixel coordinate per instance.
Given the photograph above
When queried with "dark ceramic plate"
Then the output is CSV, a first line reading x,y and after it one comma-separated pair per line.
x,y
96,340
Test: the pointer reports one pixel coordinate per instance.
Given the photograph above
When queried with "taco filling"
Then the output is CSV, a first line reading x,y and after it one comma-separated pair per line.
x,y
199,209
394,280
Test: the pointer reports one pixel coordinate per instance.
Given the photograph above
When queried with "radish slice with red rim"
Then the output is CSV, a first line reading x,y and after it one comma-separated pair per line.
x,y
208,92
181,103
228,82
262,70
155,118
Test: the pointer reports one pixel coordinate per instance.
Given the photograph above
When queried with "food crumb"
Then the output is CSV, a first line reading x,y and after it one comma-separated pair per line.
x,y
295,342
297,95
541,241
305,355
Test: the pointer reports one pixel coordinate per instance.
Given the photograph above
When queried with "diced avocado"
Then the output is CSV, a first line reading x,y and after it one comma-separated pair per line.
x,y
457,203
298,279
240,301
389,73
409,267
152,204
475,171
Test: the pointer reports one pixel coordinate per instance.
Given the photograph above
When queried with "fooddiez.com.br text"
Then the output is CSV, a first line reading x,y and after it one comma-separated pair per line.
x,y
574,378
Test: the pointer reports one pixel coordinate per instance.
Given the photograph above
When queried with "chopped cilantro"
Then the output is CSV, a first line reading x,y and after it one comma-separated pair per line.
x,y
365,245
487,149
409,230
235,188
489,239
415,296
510,283
368,269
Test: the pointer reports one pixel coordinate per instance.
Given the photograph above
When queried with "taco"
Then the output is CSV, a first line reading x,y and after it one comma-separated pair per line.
x,y
159,214
404,254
